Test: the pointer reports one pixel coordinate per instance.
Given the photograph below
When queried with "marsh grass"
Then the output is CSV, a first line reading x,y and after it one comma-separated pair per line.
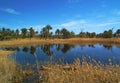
x,y
60,41
10,72
81,73
7,67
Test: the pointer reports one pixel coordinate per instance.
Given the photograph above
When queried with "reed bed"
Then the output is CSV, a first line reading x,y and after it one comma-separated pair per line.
x,y
81,73
10,72
60,41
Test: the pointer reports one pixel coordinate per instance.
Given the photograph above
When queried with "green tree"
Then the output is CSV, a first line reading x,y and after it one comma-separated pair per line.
x,y
31,32
24,32
118,33
72,34
17,33
45,32
57,33
65,33
108,34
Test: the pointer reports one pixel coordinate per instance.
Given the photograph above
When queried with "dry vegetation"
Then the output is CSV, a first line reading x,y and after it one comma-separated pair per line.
x,y
62,41
7,67
77,73
9,71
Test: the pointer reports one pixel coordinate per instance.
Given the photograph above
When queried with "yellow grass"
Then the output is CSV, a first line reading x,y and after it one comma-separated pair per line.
x,y
85,73
9,73
7,67
62,41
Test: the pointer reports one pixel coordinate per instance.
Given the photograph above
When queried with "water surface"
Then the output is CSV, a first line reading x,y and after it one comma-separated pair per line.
x,y
65,53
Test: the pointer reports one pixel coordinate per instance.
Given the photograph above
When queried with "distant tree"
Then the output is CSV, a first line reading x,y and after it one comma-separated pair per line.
x,y
65,33
117,33
92,35
17,33
31,32
45,32
57,33
82,35
48,27
24,32
108,34
72,34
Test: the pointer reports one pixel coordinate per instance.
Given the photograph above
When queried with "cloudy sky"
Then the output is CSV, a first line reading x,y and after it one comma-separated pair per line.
x,y
75,15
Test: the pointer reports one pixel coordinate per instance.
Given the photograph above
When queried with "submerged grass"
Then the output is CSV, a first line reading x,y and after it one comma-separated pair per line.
x,y
60,41
81,73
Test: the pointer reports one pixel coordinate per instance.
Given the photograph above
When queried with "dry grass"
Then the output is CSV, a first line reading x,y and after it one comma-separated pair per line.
x,y
9,71
61,41
7,67
85,73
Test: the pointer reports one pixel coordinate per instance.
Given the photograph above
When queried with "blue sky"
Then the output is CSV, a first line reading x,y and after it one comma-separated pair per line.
x,y
75,15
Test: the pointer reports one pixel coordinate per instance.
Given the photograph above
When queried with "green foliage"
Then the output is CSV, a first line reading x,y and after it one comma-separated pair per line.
x,y
24,32
107,34
117,34
31,32
45,32
7,34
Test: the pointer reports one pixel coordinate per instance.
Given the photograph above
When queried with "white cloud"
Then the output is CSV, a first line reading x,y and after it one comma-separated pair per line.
x,y
38,27
11,11
90,26
78,25
73,23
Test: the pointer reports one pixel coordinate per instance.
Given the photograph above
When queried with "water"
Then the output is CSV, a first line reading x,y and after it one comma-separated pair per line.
x,y
64,53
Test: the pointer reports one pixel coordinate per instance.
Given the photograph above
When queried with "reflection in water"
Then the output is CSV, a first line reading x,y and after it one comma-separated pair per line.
x,y
66,53
25,49
64,47
47,49
108,47
32,49
91,45
59,47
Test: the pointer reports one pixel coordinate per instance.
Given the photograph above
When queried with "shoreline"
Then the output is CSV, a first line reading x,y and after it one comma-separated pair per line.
x,y
35,41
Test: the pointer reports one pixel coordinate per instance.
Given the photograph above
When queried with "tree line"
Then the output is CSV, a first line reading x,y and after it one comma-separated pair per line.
x,y
46,33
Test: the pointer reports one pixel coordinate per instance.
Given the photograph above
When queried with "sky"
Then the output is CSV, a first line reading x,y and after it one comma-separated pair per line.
x,y
74,15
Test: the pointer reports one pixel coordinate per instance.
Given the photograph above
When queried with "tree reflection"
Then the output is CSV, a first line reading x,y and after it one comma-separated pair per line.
x,y
47,49
91,45
108,47
64,47
25,49
32,49
59,47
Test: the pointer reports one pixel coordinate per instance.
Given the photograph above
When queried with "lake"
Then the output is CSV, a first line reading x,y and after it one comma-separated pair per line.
x,y
64,53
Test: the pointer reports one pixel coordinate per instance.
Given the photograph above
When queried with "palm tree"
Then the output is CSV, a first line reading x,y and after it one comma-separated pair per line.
x,y
65,33
57,33
24,32
32,32
45,32
17,33
118,33
48,27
